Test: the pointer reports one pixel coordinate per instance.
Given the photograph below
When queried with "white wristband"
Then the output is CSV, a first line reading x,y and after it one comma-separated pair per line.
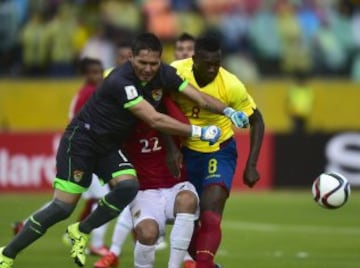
x,y
195,131
228,111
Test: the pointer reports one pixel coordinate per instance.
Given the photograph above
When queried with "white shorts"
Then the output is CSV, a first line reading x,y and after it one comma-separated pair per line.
x,y
96,190
158,204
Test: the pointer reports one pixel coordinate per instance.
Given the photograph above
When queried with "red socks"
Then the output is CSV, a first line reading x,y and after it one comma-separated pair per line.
x,y
208,239
192,246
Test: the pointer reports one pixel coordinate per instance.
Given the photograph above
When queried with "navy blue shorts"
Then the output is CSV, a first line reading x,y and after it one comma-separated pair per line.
x,y
211,168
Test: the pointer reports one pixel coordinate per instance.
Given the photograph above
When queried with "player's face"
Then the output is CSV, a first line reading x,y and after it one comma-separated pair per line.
x,y
206,65
146,64
122,55
94,74
184,49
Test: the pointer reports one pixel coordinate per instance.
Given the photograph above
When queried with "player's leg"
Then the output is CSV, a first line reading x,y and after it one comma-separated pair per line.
x,y
66,196
97,241
123,227
218,171
88,207
208,239
183,203
58,209
116,168
147,232
149,219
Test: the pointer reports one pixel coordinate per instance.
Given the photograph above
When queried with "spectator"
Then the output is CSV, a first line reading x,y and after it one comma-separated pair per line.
x,y
9,26
264,38
295,55
100,47
300,100
60,34
234,25
34,45
331,54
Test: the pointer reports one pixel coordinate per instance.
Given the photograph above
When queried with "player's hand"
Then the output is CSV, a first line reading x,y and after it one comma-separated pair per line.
x,y
207,133
174,160
251,175
210,134
238,118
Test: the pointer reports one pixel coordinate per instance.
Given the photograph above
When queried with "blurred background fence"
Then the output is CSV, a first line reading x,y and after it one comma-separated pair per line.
x,y
266,43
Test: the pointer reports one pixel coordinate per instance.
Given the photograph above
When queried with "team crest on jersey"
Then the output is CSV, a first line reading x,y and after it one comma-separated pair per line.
x,y
78,175
157,94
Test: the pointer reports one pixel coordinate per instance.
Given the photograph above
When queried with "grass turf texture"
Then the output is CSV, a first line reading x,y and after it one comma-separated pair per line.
x,y
274,229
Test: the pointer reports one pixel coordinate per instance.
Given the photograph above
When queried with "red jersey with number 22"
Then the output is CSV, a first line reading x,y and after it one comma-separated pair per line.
x,y
147,152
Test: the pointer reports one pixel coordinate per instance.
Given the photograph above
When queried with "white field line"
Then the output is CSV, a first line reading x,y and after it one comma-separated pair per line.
x,y
273,227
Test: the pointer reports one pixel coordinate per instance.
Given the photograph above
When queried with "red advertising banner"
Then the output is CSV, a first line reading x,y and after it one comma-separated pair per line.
x,y
27,161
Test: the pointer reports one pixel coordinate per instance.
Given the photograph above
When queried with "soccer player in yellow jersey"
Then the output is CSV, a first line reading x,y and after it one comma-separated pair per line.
x,y
211,168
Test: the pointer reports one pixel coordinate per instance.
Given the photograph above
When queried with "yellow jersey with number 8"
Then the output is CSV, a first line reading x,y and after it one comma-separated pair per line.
x,y
227,88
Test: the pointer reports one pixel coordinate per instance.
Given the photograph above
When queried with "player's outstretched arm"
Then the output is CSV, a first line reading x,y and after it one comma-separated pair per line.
x,y
162,122
257,128
238,118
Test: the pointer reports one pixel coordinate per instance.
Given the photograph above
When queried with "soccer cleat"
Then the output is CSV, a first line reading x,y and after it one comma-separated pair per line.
x,y
189,264
110,260
79,241
5,262
17,227
100,251
217,266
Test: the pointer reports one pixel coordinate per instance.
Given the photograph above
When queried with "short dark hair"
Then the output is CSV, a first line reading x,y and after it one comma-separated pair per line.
x,y
86,62
124,44
208,43
147,41
185,37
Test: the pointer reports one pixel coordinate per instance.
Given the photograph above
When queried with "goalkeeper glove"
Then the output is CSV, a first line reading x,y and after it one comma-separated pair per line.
x,y
207,133
239,119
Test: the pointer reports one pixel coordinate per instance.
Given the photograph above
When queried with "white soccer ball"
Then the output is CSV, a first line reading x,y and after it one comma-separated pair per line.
x,y
331,190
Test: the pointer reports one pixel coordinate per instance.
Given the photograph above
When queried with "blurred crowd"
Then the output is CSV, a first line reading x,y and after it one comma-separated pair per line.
x,y
259,37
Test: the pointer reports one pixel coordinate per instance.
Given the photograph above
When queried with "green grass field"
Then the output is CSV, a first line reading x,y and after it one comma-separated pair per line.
x,y
275,229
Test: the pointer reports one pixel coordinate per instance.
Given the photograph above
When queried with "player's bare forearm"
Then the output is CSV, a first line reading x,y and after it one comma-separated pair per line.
x,y
144,111
212,104
169,125
205,101
251,175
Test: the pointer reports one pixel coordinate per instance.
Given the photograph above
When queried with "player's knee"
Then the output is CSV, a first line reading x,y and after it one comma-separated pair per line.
x,y
64,209
186,202
213,199
125,191
147,232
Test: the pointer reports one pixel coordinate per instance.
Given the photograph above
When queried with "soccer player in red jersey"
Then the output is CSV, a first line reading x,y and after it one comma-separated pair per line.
x,y
164,196
93,75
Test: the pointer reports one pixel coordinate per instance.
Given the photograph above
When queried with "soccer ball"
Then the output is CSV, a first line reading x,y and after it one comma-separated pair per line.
x,y
331,190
